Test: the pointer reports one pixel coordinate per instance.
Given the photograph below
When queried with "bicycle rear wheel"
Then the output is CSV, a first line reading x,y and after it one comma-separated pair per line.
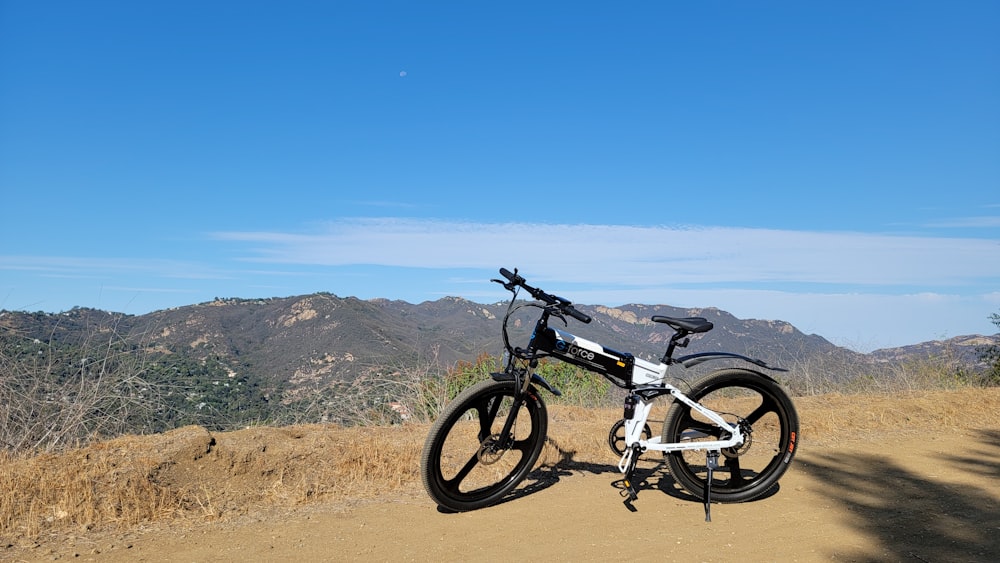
x,y
768,421
466,463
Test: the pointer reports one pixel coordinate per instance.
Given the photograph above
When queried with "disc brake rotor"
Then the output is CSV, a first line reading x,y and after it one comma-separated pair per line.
x,y
489,451
743,448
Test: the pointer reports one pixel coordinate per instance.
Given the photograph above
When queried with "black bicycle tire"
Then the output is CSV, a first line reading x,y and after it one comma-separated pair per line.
x,y
447,494
763,481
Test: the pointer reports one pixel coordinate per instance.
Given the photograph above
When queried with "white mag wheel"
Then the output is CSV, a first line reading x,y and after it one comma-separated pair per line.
x,y
767,419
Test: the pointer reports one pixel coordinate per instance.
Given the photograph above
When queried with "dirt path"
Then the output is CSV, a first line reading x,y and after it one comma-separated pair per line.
x,y
908,497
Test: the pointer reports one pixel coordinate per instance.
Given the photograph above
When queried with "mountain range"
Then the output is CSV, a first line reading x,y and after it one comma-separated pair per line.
x,y
313,340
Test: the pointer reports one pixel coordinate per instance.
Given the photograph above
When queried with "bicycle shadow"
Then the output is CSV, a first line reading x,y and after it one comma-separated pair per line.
x,y
550,473
651,474
910,515
657,477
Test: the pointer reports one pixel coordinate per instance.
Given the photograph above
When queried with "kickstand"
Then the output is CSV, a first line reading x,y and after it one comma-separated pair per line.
x,y
711,463
630,491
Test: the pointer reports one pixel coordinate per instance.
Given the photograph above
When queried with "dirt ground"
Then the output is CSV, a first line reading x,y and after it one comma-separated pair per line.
x,y
887,492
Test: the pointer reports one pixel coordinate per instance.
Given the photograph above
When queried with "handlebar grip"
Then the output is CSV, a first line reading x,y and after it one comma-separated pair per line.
x,y
514,278
578,315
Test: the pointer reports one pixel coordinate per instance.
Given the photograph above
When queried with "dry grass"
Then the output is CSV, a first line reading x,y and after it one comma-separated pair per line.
x,y
101,485
841,417
191,474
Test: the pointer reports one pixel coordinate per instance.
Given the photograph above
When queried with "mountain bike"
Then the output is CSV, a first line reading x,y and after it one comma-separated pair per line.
x,y
727,438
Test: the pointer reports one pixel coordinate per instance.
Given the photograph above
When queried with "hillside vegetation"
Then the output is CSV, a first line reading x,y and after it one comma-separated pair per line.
x,y
69,378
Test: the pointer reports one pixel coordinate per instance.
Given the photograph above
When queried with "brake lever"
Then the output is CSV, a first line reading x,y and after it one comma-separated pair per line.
x,y
558,313
509,286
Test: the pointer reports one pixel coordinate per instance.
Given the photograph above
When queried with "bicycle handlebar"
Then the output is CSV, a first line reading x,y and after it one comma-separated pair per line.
x,y
564,305
511,277
582,317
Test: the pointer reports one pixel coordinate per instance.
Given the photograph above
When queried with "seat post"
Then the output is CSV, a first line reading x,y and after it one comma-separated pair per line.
x,y
668,356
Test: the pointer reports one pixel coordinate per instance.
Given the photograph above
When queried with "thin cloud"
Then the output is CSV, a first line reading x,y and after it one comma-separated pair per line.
x,y
636,256
387,204
967,222
147,289
88,267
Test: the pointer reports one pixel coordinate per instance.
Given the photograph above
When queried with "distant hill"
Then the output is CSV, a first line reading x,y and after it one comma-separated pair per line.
x,y
959,349
314,338
265,351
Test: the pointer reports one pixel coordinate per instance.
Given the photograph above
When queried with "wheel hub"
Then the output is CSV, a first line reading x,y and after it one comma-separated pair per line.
x,y
743,448
490,450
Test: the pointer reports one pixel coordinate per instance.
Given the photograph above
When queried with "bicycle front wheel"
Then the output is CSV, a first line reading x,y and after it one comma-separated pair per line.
x,y
466,463
767,419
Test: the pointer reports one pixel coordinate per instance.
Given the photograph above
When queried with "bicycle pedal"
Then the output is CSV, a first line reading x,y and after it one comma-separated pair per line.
x,y
628,491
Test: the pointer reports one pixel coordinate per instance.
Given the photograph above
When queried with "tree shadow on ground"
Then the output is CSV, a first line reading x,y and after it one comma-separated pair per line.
x,y
912,516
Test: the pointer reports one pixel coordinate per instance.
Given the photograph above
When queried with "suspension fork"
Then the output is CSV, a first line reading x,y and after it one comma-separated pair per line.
x,y
522,381
521,384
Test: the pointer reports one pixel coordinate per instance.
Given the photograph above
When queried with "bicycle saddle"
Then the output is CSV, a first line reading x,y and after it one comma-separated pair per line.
x,y
689,324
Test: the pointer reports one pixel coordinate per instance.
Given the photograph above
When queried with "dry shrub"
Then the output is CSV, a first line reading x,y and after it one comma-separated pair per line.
x,y
190,473
257,467
105,484
58,393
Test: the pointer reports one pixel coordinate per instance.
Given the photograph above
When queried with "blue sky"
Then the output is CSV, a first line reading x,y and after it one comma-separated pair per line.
x,y
834,165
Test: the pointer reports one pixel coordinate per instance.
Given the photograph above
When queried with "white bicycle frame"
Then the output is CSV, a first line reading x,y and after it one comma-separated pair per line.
x,y
650,376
